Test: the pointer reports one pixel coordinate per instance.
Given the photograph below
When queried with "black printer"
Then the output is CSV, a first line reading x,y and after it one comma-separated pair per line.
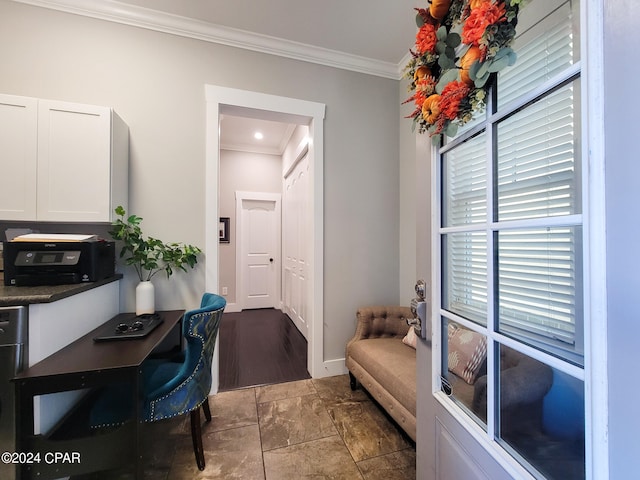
x,y
57,262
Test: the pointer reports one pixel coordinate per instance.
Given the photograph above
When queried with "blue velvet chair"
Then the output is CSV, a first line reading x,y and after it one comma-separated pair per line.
x,y
176,386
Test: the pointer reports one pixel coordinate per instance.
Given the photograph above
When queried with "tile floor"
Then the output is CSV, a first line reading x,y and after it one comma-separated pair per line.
x,y
313,429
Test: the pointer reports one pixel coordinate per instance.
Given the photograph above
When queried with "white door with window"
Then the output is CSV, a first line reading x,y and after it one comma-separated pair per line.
x,y
258,231
507,234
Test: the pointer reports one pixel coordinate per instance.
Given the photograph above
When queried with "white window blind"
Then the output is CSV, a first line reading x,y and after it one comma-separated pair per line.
x,y
544,51
537,284
465,275
465,180
536,164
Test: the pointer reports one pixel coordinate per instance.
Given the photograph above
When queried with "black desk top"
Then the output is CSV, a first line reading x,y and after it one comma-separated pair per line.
x,y
85,355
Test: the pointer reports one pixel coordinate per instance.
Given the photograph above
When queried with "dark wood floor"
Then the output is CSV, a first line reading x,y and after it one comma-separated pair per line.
x,y
260,347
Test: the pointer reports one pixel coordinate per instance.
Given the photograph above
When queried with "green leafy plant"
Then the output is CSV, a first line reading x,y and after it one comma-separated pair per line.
x,y
149,255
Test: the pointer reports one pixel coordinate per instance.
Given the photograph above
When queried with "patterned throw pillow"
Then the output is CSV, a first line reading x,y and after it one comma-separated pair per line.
x,y
467,352
410,338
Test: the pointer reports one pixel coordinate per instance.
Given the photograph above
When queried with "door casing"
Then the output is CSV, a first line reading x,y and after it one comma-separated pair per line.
x,y
278,108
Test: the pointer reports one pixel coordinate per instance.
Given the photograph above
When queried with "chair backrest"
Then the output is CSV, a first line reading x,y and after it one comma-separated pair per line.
x,y
189,385
200,330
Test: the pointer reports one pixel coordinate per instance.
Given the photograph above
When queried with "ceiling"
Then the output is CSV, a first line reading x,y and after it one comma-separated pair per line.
x,y
237,133
368,36
381,30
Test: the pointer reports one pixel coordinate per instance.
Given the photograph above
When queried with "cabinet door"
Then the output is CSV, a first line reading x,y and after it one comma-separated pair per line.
x,y
74,162
18,157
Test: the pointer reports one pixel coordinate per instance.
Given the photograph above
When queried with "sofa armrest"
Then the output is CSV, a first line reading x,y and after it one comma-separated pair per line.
x,y
381,322
524,383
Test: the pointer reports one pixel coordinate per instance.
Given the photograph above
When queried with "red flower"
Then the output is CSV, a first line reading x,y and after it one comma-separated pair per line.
x,y
426,38
452,94
418,98
485,13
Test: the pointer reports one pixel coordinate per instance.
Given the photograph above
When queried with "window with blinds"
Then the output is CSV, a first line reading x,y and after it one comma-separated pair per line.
x,y
539,280
465,275
533,210
465,175
545,47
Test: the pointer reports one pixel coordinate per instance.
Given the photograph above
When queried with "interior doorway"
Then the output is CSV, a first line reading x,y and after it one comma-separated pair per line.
x,y
221,100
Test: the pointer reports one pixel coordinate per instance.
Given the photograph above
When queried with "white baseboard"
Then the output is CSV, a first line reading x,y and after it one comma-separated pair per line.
x,y
232,308
332,368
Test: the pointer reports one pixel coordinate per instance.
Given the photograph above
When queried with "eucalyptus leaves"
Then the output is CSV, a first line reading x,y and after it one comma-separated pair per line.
x,y
459,45
149,255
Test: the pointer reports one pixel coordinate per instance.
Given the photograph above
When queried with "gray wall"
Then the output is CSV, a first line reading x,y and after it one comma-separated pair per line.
x,y
155,82
622,104
412,187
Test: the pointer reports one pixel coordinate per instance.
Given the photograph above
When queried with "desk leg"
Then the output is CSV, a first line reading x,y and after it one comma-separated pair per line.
x,y
24,422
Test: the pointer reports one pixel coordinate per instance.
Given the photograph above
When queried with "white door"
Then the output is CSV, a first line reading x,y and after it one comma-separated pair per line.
x,y
296,251
259,255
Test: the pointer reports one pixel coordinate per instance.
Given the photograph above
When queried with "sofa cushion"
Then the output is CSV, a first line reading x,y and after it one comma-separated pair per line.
x,y
392,364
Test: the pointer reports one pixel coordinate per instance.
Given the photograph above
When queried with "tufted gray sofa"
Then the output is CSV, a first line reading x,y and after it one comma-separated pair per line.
x,y
377,358
384,366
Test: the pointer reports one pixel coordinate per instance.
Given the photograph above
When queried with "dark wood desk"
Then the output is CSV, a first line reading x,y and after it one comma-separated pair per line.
x,y
80,365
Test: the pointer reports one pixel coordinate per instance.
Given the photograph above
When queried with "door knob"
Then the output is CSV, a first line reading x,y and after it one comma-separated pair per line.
x,y
271,260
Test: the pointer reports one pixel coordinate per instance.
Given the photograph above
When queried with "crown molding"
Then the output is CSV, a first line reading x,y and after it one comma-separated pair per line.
x,y
236,147
118,12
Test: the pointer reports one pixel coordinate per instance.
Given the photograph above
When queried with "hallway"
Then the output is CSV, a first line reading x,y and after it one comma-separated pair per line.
x,y
260,347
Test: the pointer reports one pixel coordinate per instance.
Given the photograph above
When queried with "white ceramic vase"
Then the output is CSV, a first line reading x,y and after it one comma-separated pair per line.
x,y
145,298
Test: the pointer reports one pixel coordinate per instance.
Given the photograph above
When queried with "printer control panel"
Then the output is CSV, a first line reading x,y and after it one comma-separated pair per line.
x,y
43,258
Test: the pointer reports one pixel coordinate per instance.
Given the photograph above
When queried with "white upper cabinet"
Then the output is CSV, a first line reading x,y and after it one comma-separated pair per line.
x,y
78,163
18,157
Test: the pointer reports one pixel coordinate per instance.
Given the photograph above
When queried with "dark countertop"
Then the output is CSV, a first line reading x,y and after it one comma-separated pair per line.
x,y
12,296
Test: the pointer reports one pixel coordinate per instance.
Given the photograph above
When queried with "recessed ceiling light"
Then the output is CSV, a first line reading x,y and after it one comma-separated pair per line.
x,y
258,136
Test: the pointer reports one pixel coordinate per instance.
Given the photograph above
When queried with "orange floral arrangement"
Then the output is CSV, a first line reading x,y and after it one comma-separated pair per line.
x,y
459,45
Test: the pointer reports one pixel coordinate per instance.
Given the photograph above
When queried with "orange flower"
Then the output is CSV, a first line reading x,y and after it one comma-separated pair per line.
x,y
484,14
419,97
452,94
426,38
